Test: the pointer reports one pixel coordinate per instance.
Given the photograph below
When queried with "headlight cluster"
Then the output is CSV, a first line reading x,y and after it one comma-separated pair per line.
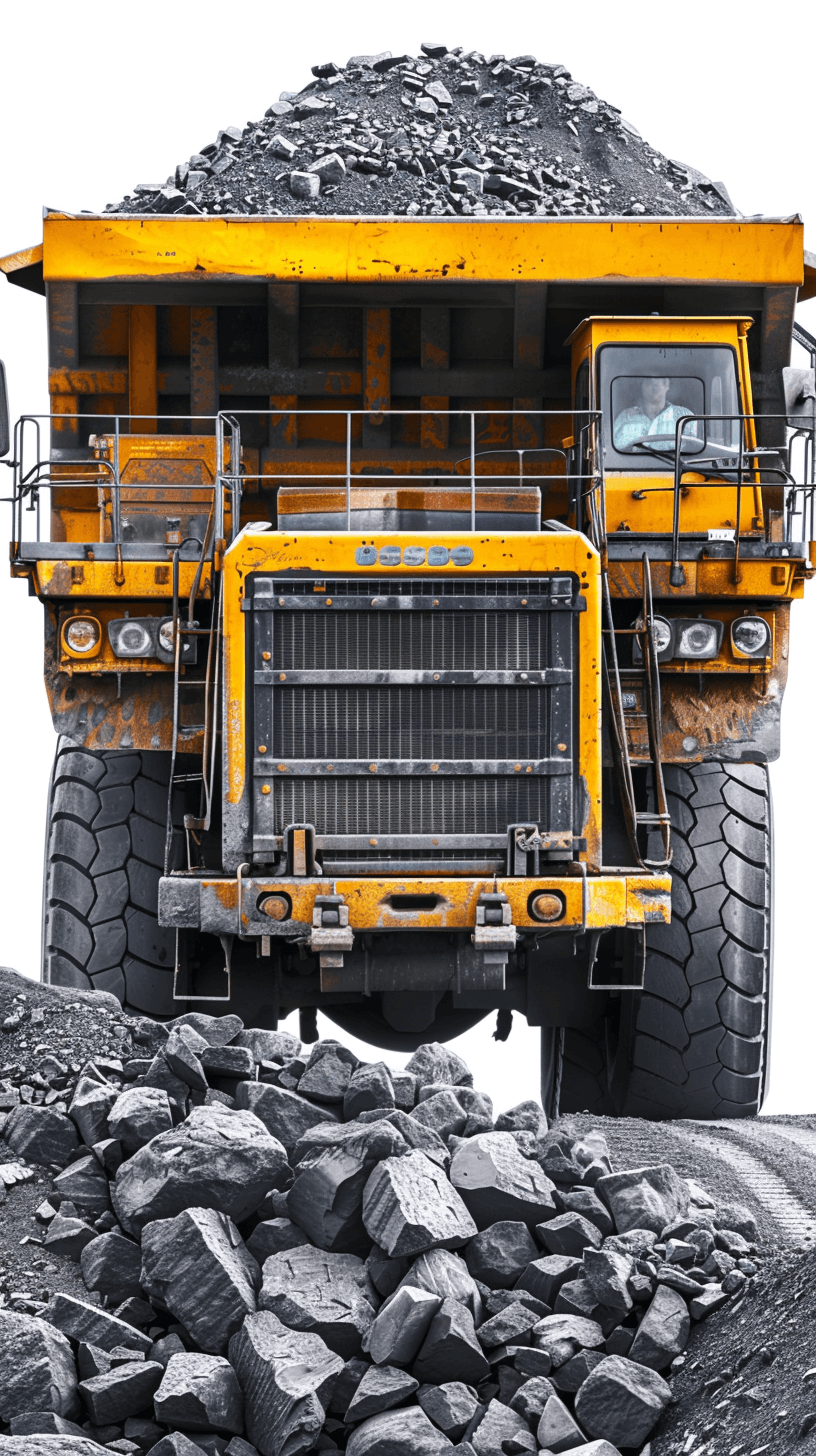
x,y
701,638
148,637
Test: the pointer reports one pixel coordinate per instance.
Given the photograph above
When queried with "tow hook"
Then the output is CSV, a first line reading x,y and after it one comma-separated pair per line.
x,y
331,933
495,934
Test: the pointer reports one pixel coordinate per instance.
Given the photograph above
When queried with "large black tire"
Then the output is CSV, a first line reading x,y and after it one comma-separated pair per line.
x,y
694,1043
104,855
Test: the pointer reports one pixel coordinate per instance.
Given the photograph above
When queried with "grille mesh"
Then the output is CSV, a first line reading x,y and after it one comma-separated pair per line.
x,y
411,722
413,805
415,639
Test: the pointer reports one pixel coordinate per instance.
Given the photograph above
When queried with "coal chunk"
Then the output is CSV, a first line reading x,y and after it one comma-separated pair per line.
x,y
499,1424
446,1274
94,1326
197,1266
573,1158
93,1099
122,1391
309,1289
381,1388
664,1330
570,1234
327,1196
545,1277
84,1184
531,1398
399,1329
139,1114
645,1198
621,1401
215,1159
370,1086
409,1206
112,1266
398,1433
287,1378
499,1254
496,1183
557,1430
609,1273
434,1062
200,1393
274,1236
40,1135
451,1350
37,1370
286,1115
451,1406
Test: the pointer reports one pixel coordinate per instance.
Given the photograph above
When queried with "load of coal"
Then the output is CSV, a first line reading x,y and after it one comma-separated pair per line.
x,y
279,1248
446,133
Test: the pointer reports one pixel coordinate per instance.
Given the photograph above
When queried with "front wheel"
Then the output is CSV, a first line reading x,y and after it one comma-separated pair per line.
x,y
104,855
694,1042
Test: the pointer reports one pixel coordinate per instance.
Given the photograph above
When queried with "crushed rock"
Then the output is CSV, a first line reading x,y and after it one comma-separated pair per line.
x,y
447,133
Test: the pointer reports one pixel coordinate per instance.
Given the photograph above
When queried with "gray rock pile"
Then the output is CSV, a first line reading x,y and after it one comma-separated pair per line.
x,y
285,1249
447,132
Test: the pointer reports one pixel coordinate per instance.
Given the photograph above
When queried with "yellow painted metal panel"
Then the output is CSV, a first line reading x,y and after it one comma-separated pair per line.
x,y
611,899
23,258
519,554
98,579
418,249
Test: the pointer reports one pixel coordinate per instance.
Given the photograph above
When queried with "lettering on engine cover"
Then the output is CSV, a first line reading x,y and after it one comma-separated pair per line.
x,y
413,556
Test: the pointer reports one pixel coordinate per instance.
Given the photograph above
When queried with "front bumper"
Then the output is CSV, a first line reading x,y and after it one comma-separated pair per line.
x,y
222,906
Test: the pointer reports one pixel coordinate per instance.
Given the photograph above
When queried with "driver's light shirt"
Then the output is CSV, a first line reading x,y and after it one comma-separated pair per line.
x,y
633,423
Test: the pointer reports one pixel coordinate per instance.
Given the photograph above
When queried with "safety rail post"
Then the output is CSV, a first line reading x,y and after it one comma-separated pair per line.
x,y
737,577
348,470
472,471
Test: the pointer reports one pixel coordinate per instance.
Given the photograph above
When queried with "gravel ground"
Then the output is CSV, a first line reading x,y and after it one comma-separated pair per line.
x,y
448,133
749,1381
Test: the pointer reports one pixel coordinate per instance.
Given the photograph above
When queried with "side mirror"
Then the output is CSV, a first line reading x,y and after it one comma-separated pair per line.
x,y
799,386
5,437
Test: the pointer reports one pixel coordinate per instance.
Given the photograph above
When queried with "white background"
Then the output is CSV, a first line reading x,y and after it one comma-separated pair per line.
x,y
96,99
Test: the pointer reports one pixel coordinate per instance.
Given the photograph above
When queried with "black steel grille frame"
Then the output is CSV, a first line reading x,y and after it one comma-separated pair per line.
x,y
431,712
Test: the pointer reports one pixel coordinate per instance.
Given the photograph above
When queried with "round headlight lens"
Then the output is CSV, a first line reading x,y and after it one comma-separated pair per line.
x,y
135,641
166,636
82,634
751,636
698,639
662,633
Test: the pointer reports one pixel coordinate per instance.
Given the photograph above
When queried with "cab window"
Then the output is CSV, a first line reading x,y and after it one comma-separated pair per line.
x,y
646,391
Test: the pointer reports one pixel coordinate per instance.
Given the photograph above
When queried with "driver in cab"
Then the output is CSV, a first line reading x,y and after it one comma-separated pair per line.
x,y
651,415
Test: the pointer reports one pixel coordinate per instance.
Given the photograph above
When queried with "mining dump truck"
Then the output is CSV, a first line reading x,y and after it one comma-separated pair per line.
x,y
416,598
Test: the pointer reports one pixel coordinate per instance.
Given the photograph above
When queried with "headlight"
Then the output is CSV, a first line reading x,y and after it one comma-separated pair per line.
x,y
81,636
166,647
699,638
750,637
663,632
167,638
133,636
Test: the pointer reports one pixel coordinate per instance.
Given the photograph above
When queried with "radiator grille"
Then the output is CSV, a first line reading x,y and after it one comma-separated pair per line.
x,y
385,723
414,639
395,733
413,805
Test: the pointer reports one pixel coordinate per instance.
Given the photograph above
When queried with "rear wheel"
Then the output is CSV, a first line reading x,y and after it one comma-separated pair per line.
x,y
694,1042
104,855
